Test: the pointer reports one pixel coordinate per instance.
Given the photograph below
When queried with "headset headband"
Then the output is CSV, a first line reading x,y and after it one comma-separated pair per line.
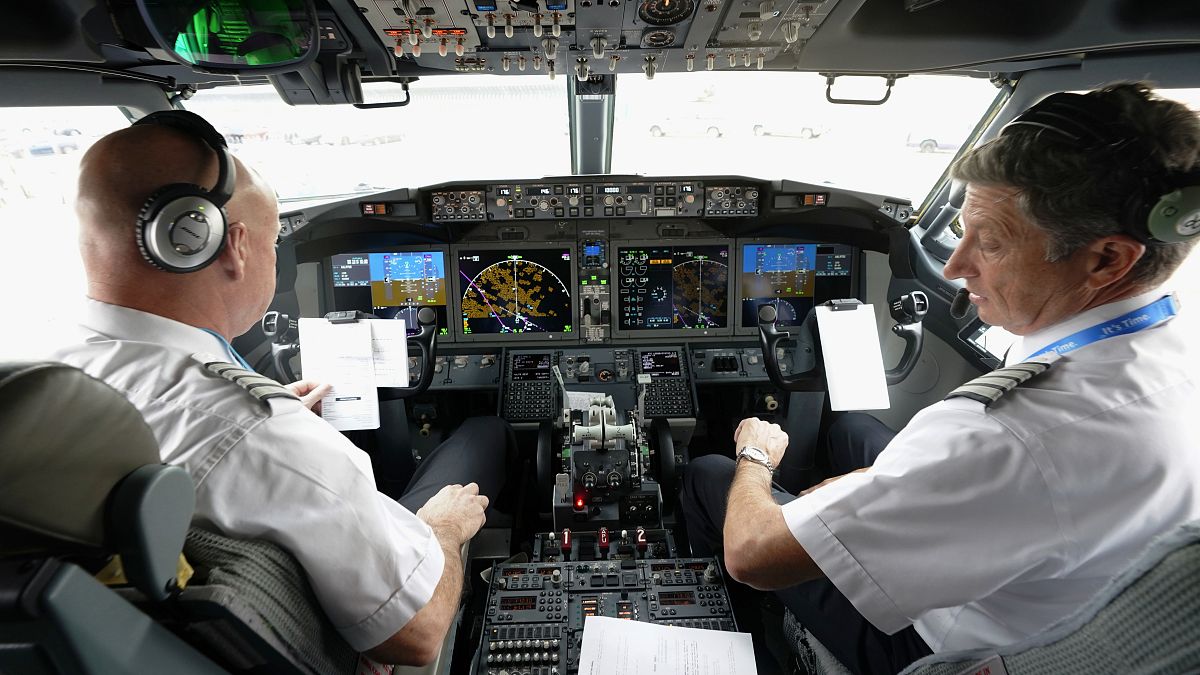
x,y
196,126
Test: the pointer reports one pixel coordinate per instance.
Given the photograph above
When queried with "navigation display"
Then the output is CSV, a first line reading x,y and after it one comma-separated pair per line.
x,y
506,292
673,287
391,285
661,364
793,277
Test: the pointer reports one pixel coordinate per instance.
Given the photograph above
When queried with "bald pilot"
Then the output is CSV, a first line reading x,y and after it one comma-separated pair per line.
x,y
387,573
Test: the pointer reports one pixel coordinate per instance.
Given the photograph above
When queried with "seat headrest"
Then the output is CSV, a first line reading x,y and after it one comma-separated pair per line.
x,y
65,440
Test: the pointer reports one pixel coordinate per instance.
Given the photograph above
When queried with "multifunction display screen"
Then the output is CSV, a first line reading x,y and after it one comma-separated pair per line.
x,y
391,285
530,367
673,287
793,278
506,292
661,364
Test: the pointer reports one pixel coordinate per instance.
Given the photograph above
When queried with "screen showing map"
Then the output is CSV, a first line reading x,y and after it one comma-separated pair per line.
x,y
391,285
793,277
523,292
673,287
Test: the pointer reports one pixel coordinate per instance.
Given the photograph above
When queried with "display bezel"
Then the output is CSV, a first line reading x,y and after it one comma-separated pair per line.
x,y
573,289
855,273
672,334
328,303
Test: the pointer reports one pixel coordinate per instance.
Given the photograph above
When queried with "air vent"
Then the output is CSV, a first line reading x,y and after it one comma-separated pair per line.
x,y
513,234
672,231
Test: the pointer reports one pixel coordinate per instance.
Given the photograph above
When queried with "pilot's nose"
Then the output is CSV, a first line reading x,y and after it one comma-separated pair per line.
x,y
959,265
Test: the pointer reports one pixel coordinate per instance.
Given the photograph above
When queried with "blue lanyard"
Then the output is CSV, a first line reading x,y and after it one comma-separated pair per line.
x,y
1139,319
229,348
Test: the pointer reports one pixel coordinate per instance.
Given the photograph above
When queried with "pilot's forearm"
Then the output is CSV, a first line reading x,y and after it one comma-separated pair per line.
x,y
418,643
760,550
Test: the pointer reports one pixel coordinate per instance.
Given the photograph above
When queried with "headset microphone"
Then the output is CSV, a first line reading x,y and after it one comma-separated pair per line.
x,y
961,304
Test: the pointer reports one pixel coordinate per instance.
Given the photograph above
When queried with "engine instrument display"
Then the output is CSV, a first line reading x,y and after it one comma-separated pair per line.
x,y
673,287
793,277
506,292
391,285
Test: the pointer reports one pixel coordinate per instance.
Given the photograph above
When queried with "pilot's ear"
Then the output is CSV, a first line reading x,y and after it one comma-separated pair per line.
x,y
1111,259
236,254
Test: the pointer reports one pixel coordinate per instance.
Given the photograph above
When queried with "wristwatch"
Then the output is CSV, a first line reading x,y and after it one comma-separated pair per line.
x,y
756,455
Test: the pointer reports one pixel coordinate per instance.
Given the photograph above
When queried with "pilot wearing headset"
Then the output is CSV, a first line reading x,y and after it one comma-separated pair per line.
x,y
1004,507
175,271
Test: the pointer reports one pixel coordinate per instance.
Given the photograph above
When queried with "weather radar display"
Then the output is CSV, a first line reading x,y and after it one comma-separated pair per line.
x,y
527,292
674,287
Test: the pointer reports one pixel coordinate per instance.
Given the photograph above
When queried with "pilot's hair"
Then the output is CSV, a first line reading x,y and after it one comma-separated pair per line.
x,y
1077,195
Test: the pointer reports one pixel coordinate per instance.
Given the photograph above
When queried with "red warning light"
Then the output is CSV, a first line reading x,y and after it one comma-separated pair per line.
x,y
579,502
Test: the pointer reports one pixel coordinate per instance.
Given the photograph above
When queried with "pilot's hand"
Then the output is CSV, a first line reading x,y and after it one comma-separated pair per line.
x,y
310,393
760,434
456,511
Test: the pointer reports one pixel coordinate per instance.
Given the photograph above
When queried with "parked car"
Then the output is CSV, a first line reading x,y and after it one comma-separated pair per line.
x,y
689,125
795,129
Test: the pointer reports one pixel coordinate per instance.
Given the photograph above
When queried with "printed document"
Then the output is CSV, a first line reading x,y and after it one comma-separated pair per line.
x,y
341,355
389,350
853,360
622,647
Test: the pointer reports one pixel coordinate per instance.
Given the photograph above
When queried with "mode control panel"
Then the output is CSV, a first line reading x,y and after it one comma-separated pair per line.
x,y
638,199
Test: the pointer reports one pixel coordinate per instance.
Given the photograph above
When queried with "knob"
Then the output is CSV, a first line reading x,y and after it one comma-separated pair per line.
x,y
710,572
555,28
599,43
550,68
746,59
710,62
645,205
508,26
582,70
760,61
413,36
427,28
506,63
491,25
556,576
398,50
691,62
754,31
550,47
416,49
791,31
459,47
589,480
537,25
649,67
521,63
612,63
614,479
537,62
770,403
442,47
766,10
732,60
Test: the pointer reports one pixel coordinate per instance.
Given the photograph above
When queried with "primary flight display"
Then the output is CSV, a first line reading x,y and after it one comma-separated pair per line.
x,y
392,285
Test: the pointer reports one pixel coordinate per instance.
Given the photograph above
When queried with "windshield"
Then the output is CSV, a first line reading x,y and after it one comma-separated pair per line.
x,y
779,125
457,127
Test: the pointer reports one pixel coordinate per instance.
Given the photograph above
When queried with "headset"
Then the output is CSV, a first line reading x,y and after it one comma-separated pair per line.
x,y
1166,207
182,227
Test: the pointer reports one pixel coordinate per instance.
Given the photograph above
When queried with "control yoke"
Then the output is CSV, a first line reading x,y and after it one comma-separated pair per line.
x,y
907,311
284,345
282,330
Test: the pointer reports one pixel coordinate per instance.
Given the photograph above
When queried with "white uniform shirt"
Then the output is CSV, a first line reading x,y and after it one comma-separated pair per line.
x,y
982,526
272,471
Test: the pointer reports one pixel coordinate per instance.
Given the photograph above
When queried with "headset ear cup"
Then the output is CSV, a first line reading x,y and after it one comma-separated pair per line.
x,y
154,223
1174,217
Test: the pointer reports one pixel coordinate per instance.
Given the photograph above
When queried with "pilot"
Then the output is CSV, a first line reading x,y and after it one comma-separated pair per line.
x,y
1003,508
388,575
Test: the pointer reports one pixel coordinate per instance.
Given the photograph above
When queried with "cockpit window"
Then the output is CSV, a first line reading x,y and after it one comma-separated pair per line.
x,y
779,125
477,126
39,166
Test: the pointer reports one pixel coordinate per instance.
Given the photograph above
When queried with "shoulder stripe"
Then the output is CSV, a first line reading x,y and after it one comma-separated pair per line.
x,y
257,385
989,388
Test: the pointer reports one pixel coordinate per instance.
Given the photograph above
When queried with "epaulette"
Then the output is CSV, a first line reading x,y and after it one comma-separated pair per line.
x,y
260,387
987,389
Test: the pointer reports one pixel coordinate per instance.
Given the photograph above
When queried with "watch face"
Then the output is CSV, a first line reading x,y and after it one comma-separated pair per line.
x,y
754,453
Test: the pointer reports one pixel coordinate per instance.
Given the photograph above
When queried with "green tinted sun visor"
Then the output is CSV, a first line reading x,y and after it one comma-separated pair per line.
x,y
233,35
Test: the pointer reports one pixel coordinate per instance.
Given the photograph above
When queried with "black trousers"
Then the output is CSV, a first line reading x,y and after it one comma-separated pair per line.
x,y
855,440
478,452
